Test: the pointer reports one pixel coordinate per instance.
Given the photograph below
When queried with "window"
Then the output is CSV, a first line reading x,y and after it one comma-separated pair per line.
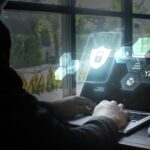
x,y
114,5
52,39
36,51
141,6
40,1
141,36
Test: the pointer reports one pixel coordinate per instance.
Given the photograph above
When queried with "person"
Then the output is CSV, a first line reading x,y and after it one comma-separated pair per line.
x,y
27,123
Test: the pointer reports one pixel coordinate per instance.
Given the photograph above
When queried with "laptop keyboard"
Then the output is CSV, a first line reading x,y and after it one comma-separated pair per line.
x,y
134,116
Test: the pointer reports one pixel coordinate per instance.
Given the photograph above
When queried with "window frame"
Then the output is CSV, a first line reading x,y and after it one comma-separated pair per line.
x,y
126,14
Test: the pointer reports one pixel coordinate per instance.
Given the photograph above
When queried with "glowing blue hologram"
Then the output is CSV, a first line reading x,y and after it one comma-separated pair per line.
x,y
130,82
65,59
98,57
122,55
109,40
105,40
73,66
60,73
141,46
82,71
66,66
145,75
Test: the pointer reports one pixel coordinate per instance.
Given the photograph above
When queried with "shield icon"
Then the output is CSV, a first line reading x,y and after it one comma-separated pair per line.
x,y
98,57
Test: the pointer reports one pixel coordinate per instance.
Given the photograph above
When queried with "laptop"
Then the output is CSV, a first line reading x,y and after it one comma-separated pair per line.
x,y
125,80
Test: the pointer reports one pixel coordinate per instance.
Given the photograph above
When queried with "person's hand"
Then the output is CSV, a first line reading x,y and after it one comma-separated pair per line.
x,y
72,106
113,111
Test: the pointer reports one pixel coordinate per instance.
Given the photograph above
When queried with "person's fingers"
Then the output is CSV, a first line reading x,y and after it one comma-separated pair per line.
x,y
126,117
121,106
85,105
126,113
87,102
88,109
114,102
104,102
84,109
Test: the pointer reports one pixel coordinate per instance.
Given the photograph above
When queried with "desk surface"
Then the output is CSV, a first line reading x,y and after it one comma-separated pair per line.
x,y
138,139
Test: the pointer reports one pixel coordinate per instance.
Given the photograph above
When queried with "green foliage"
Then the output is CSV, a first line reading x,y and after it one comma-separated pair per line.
x,y
50,80
40,82
26,51
138,6
17,51
116,5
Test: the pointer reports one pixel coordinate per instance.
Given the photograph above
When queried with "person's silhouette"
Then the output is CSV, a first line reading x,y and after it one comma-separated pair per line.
x,y
27,123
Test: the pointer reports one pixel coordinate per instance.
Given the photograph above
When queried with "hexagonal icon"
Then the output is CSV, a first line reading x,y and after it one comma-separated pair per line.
x,y
130,82
145,74
136,65
141,46
65,59
66,66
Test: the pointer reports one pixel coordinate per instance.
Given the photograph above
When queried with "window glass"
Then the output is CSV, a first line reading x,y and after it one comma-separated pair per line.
x,y
141,37
95,33
141,6
42,1
36,52
114,5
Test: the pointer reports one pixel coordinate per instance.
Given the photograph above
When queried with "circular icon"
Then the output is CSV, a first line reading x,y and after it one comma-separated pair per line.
x,y
130,81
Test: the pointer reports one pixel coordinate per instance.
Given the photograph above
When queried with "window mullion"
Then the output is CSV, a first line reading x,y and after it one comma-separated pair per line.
x,y
127,24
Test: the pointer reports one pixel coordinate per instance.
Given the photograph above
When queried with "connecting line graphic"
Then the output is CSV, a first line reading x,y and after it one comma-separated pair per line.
x,y
66,66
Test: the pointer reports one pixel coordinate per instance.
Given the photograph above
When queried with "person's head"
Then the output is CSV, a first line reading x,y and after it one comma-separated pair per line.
x,y
2,4
5,44
5,40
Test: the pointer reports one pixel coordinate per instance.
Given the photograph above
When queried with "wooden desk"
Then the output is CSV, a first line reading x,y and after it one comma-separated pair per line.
x,y
138,140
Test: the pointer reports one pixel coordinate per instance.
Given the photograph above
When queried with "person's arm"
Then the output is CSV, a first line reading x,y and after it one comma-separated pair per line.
x,y
100,133
46,131
70,106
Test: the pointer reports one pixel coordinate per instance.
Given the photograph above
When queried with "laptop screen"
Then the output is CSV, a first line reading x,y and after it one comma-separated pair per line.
x,y
120,76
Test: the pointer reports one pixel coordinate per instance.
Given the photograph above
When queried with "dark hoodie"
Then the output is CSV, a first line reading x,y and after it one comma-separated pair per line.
x,y
5,44
27,124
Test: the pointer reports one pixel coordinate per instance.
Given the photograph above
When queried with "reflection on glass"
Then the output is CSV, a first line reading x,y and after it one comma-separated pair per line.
x,y
36,49
141,37
141,6
66,66
123,55
141,46
114,5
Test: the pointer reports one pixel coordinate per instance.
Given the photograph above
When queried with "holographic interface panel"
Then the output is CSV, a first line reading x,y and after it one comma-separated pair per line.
x,y
120,76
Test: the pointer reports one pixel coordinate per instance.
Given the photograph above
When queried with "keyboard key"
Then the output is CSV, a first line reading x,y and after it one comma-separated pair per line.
x,y
133,116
